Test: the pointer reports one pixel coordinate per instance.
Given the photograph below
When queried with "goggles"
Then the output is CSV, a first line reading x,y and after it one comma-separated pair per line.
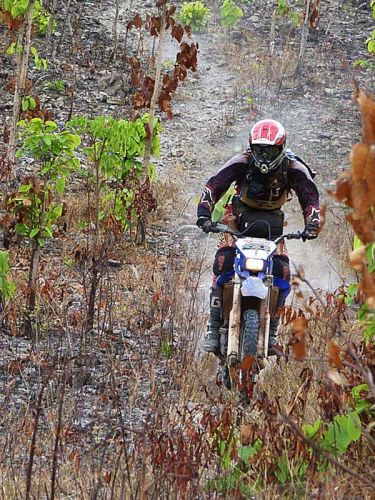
x,y
266,153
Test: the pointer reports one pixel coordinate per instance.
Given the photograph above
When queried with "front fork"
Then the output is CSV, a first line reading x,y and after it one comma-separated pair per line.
x,y
265,319
264,333
232,331
234,324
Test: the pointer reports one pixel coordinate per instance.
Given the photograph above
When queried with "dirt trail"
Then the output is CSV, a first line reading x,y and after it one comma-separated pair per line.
x,y
211,121
200,108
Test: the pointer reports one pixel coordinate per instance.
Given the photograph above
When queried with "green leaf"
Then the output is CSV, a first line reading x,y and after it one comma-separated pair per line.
x,y
11,50
311,430
20,7
282,473
369,332
25,188
48,232
7,288
32,103
60,185
351,292
21,229
4,262
360,404
34,232
25,104
357,243
344,430
225,450
245,452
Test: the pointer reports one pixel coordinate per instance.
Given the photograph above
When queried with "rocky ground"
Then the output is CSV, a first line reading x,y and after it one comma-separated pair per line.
x,y
236,84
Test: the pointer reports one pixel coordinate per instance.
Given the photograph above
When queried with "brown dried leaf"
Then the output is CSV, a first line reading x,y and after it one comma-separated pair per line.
x,y
247,363
334,355
12,23
322,216
369,175
6,134
156,297
15,367
367,286
365,229
357,258
344,188
10,85
299,350
359,196
137,21
314,14
246,434
334,376
358,158
367,107
135,77
178,32
139,100
295,282
299,328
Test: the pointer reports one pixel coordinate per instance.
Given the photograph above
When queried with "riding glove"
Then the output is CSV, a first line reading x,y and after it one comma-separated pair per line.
x,y
311,231
311,225
205,223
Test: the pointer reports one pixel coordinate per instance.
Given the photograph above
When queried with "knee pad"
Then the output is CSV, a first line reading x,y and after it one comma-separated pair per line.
x,y
281,267
224,260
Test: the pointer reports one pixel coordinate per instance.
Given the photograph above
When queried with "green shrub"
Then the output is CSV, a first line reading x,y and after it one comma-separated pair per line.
x,y
230,13
371,39
194,14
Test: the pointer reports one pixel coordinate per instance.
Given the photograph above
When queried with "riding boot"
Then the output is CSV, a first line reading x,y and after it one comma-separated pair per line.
x,y
211,342
273,340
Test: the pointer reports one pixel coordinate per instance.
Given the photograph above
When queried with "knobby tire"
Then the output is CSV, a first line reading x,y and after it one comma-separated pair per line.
x,y
250,334
249,347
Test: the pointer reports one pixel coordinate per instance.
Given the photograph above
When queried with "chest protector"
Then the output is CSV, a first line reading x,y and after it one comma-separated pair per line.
x,y
266,194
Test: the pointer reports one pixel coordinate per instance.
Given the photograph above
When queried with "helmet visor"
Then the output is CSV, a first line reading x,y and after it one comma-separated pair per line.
x,y
266,153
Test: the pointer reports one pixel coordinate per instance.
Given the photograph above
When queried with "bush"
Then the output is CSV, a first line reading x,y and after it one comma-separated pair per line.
x,y
230,13
195,15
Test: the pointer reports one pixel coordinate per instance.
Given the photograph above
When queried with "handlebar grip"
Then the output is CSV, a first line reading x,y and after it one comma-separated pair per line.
x,y
294,236
215,229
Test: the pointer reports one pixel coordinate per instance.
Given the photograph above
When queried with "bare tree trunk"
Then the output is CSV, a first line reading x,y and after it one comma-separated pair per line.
x,y
94,282
38,412
57,437
155,95
24,41
63,28
29,325
273,32
304,35
141,227
50,26
115,30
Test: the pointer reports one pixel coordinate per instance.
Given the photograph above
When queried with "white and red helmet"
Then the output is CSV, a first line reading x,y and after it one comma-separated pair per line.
x,y
267,143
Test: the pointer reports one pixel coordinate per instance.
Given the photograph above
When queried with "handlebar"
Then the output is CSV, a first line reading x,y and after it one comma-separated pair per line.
x,y
223,228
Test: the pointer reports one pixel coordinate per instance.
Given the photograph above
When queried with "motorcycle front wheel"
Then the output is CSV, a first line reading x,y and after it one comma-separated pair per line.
x,y
250,334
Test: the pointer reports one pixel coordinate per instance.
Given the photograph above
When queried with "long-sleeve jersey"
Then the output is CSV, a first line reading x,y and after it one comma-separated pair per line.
x,y
267,191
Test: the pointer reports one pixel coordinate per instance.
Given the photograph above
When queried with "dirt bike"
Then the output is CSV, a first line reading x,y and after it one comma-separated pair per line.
x,y
248,296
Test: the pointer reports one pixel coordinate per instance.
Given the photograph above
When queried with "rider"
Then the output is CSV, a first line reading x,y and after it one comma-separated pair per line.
x,y
263,177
